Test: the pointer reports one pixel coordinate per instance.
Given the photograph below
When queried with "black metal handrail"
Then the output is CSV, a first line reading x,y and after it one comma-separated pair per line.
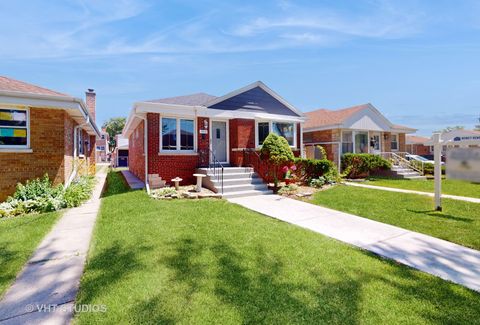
x,y
258,164
217,168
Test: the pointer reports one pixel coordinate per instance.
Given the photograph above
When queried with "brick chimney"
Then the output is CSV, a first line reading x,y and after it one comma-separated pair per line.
x,y
90,101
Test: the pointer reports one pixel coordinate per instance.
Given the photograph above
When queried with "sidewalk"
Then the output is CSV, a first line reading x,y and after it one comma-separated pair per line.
x,y
52,275
432,255
391,189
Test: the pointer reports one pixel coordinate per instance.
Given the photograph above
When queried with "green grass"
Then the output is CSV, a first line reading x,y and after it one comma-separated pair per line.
x,y
210,261
19,237
459,222
449,186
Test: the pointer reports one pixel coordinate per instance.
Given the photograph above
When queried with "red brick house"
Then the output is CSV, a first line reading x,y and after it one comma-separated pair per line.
x,y
44,131
416,146
102,150
358,129
171,137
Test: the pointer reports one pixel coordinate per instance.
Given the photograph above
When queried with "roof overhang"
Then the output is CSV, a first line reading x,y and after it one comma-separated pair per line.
x,y
140,109
75,107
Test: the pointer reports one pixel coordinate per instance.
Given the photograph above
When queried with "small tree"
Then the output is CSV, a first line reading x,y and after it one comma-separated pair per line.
x,y
278,151
113,127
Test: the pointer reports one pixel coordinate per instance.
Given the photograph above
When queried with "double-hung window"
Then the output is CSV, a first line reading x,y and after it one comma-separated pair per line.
x,y
283,129
177,134
14,124
80,142
394,142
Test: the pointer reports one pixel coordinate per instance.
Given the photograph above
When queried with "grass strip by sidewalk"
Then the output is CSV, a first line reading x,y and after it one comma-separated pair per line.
x,y
459,222
449,186
19,236
213,262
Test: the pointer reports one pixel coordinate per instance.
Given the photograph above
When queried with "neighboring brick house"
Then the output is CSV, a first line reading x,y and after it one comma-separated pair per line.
x,y
102,151
358,129
416,146
43,131
183,133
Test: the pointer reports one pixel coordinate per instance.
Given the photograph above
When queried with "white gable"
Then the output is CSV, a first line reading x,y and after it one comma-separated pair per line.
x,y
367,119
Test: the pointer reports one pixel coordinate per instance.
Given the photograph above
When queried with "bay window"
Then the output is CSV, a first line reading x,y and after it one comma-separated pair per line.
x,y
177,134
347,142
394,142
14,125
283,129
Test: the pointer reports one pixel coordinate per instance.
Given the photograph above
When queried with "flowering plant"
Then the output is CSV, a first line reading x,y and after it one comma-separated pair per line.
x,y
288,171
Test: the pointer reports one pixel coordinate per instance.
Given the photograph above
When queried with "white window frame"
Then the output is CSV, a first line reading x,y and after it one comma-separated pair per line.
x,y
270,129
27,146
178,150
391,140
80,143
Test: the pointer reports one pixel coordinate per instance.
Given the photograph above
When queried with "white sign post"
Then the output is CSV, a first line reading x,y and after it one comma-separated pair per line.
x,y
437,155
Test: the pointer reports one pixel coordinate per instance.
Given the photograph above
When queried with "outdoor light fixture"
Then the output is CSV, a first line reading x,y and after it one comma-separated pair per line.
x,y
385,137
205,124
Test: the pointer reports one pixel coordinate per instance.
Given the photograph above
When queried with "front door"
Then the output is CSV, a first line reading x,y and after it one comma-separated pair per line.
x,y
219,140
375,143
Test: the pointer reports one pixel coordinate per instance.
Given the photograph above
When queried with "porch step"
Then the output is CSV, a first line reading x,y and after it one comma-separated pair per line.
x,y
237,182
406,173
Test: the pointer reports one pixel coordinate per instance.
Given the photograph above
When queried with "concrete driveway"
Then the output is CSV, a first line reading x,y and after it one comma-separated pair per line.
x,y
429,254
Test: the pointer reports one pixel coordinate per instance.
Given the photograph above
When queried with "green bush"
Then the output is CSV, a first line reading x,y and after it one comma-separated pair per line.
x,y
317,182
39,195
428,168
278,152
79,191
308,169
361,164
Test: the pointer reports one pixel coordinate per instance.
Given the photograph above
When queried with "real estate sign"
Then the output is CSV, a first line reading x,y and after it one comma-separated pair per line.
x,y
463,163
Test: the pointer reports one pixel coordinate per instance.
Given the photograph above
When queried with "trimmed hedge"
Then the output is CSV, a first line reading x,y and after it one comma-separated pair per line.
x,y
359,165
308,169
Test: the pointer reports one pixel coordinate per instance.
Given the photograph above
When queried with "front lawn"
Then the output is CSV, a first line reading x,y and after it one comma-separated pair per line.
x,y
213,262
449,186
19,236
459,222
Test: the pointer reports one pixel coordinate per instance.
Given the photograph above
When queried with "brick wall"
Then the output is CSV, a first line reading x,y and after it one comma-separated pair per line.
x,y
136,156
47,142
168,166
401,140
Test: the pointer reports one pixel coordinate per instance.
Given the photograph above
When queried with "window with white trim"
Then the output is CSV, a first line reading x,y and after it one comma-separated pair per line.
x,y
177,134
394,142
80,143
14,124
283,129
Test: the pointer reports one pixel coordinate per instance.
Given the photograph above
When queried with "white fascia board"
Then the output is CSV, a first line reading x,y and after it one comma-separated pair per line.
x,y
70,104
251,86
193,111
403,130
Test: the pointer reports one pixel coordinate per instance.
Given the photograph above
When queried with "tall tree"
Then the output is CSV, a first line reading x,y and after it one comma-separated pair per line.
x,y
113,127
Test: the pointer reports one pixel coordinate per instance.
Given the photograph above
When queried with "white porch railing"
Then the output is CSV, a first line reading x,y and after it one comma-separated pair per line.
x,y
400,159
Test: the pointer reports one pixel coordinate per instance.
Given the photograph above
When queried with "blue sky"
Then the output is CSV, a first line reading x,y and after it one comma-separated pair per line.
x,y
416,61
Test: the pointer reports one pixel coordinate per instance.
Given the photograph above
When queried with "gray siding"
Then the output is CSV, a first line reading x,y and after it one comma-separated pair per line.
x,y
257,100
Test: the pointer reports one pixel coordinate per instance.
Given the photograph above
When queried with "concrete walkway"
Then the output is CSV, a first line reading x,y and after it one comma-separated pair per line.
x,y
432,255
399,190
44,292
133,181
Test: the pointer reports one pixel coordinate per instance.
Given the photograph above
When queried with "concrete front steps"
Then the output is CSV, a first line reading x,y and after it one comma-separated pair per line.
x,y
237,182
406,173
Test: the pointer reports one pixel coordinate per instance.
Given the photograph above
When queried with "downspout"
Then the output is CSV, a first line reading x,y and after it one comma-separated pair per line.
x,y
74,171
145,149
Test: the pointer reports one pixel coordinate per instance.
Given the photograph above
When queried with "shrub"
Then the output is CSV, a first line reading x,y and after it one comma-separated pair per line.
x,y
278,152
360,165
428,168
317,182
79,191
40,196
308,169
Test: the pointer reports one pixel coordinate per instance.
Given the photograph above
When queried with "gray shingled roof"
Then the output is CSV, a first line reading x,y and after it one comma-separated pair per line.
x,y
189,100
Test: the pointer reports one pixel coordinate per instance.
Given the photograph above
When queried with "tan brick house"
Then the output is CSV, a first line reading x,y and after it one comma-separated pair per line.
x,y
44,131
358,129
416,146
